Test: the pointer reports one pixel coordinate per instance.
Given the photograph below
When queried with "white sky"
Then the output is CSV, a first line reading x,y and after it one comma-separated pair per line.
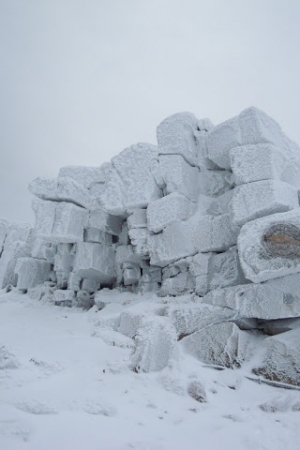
x,y
82,79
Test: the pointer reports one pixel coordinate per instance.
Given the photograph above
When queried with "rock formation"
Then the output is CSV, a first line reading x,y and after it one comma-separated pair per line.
x,y
205,227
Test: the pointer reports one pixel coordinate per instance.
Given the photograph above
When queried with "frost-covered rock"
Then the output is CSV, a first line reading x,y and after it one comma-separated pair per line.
x,y
175,242
95,262
252,126
250,163
280,358
269,247
274,299
156,345
215,182
223,344
213,271
131,317
188,318
179,176
64,189
86,176
10,255
59,221
214,233
31,272
106,222
175,136
180,284
63,297
137,219
3,232
262,198
130,183
172,208
98,236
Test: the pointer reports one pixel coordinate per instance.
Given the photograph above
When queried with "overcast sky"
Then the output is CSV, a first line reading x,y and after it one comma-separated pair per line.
x,y
80,80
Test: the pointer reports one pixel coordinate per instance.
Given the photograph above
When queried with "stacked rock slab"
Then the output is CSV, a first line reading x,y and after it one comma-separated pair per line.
x,y
211,213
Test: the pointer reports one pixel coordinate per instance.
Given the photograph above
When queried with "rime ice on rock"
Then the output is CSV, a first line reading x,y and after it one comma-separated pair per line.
x,y
59,221
262,198
179,176
174,207
156,345
60,189
130,183
252,126
214,233
176,136
86,176
95,261
31,272
222,344
281,358
251,163
175,242
274,299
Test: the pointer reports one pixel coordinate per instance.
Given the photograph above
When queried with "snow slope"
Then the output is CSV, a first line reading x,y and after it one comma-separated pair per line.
x,y
66,383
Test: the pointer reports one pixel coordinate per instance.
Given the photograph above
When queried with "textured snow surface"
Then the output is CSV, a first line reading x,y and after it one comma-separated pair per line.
x,y
66,382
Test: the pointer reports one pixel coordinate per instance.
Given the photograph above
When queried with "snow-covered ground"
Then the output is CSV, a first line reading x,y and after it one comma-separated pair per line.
x,y
66,384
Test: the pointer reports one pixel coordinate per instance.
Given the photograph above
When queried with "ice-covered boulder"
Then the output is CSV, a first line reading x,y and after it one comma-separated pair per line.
x,y
252,126
131,317
179,176
222,344
274,299
176,136
172,208
104,221
262,198
250,163
59,221
280,358
173,243
180,284
214,233
188,318
64,189
216,270
129,182
156,345
269,247
95,262
215,182
31,272
86,176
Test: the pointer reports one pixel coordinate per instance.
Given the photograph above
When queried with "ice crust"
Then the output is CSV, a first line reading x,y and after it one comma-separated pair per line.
x,y
206,224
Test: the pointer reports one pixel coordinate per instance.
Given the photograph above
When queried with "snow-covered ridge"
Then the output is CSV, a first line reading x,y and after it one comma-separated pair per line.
x,y
208,219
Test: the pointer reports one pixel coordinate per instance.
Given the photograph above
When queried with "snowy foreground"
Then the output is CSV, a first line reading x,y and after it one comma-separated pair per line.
x,y
66,383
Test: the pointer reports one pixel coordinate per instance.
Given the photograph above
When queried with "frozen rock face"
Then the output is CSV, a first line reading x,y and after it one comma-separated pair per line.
x,y
156,344
222,344
206,224
129,182
281,358
176,136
